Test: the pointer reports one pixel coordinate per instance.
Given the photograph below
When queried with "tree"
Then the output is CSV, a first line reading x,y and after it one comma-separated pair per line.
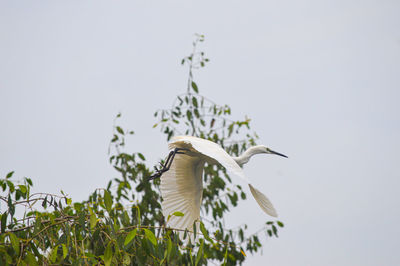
x,y
123,223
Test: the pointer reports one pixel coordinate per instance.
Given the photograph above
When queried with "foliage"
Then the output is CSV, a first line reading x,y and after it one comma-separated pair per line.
x,y
123,223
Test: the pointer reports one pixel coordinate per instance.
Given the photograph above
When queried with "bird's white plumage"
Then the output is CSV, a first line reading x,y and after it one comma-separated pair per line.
x,y
181,189
182,185
263,201
211,150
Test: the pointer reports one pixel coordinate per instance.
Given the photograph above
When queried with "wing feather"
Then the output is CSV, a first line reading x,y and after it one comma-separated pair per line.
x,y
215,152
212,150
263,201
181,190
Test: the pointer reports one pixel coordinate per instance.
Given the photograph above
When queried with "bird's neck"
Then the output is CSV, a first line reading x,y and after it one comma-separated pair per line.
x,y
245,157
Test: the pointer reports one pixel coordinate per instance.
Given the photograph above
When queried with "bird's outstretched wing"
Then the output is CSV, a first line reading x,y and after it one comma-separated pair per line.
x,y
214,151
182,191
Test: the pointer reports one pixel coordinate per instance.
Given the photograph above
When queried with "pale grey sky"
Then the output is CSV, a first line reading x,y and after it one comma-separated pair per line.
x,y
320,80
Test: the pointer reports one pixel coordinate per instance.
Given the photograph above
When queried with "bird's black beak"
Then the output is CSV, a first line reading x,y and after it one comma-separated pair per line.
x,y
277,153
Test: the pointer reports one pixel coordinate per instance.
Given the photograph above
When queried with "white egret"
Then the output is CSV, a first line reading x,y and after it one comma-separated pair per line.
x,y
182,183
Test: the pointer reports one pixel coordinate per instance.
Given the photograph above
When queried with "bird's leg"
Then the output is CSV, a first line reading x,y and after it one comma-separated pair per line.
x,y
163,167
168,162
170,158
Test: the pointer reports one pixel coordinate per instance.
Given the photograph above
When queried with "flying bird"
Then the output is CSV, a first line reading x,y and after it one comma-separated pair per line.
x,y
182,182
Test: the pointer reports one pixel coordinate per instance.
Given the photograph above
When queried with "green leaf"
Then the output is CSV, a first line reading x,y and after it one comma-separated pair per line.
x,y
194,101
191,257
3,222
194,86
141,156
185,233
130,236
200,252
120,130
243,195
138,214
14,242
11,206
241,235
44,203
11,186
68,201
65,251
149,234
194,230
189,115
53,254
226,256
29,181
108,255
196,112
107,200
275,230
169,247
180,214
205,232
164,258
125,219
93,220
10,174
22,188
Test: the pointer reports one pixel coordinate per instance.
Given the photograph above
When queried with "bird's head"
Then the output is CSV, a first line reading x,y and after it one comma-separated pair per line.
x,y
267,150
245,157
